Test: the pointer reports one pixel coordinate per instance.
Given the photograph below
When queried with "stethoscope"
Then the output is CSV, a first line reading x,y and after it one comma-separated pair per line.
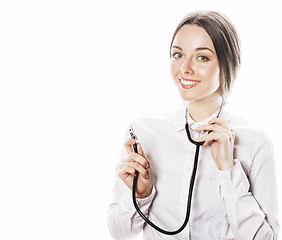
x,y
196,158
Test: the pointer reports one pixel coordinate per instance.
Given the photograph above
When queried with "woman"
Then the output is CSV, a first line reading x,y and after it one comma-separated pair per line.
x,y
234,194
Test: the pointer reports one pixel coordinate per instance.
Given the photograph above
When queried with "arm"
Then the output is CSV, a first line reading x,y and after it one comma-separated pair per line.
x,y
251,202
123,220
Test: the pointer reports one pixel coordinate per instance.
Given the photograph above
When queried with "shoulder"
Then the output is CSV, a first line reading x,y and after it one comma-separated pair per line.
x,y
240,125
252,143
248,135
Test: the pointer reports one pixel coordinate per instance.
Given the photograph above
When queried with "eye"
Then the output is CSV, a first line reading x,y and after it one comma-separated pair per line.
x,y
203,58
176,55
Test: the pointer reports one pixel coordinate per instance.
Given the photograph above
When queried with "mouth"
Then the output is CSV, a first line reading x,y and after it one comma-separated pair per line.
x,y
188,83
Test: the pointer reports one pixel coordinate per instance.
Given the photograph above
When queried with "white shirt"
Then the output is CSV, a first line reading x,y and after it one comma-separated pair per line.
x,y
237,204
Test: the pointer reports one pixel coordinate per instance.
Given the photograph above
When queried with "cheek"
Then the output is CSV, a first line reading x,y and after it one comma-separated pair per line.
x,y
173,68
215,73
212,74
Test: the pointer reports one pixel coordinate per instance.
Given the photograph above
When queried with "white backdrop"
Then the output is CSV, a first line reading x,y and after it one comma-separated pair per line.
x,y
74,73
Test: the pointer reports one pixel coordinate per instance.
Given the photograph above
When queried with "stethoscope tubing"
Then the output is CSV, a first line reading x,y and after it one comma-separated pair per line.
x,y
191,186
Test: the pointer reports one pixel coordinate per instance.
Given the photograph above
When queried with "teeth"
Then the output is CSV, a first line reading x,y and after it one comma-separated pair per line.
x,y
188,82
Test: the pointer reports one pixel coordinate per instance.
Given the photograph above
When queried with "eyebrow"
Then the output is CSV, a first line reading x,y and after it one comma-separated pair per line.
x,y
197,49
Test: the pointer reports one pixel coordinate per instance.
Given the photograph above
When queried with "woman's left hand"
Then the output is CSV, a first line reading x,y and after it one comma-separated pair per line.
x,y
222,142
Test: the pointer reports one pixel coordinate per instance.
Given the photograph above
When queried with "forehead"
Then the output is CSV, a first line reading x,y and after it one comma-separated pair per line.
x,y
192,37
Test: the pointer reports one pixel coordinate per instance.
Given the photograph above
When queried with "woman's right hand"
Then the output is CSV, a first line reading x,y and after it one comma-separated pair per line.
x,y
139,162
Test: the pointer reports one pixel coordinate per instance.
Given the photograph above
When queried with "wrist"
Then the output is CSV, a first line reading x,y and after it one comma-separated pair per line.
x,y
226,165
145,194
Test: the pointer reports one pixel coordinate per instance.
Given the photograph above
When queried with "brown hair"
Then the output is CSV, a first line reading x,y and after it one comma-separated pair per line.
x,y
225,40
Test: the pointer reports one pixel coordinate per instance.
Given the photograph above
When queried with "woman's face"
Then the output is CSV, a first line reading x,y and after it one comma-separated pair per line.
x,y
194,64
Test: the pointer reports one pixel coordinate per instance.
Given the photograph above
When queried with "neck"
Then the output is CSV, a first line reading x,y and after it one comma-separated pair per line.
x,y
201,109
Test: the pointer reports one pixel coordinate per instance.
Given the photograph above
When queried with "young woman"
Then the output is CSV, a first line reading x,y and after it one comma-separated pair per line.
x,y
234,194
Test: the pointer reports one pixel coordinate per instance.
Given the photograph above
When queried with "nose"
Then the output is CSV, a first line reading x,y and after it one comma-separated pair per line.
x,y
187,67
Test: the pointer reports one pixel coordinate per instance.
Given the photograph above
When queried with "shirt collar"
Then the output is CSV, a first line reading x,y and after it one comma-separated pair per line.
x,y
193,124
180,118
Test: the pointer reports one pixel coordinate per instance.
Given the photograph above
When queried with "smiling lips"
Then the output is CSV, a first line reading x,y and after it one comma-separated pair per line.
x,y
188,83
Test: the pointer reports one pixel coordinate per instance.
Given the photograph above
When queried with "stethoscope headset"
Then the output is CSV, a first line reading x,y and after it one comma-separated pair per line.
x,y
196,158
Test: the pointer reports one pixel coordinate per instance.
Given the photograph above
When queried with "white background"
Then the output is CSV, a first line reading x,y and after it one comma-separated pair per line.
x,y
74,73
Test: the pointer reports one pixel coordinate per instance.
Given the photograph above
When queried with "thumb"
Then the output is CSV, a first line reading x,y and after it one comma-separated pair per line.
x,y
140,150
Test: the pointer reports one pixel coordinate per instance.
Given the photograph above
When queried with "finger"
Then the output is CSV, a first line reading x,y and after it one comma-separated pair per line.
x,y
217,136
141,152
123,165
135,157
213,136
212,127
140,149
138,167
220,122
128,145
126,171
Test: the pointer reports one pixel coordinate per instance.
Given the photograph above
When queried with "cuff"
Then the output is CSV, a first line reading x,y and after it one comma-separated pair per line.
x,y
127,206
234,182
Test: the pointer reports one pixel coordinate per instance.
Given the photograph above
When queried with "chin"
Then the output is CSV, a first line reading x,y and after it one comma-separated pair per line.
x,y
198,95
189,96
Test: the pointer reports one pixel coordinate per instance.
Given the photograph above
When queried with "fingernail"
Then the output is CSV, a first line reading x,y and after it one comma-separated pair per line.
x,y
146,176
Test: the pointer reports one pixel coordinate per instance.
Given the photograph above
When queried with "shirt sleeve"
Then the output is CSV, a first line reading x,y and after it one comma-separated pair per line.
x,y
123,221
251,199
